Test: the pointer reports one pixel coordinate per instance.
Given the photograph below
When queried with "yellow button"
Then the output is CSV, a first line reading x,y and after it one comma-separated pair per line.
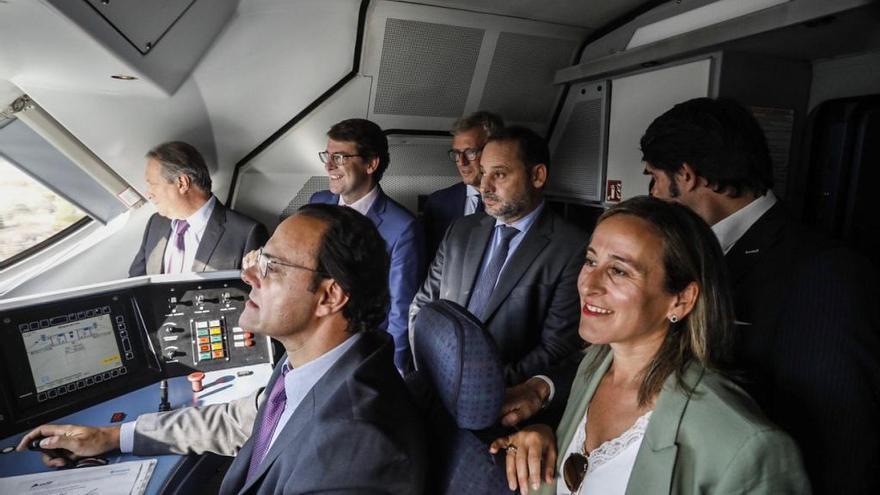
x,y
217,347
215,331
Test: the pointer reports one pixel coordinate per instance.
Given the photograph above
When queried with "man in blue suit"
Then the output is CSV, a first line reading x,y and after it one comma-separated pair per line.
x,y
335,417
355,159
469,136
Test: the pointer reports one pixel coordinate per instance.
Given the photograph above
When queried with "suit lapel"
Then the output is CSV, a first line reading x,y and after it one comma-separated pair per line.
x,y
748,250
534,242
161,229
583,390
210,238
318,399
478,239
455,208
655,461
377,210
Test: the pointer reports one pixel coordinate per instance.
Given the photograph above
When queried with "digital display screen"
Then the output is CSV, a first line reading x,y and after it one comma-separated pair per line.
x,y
69,352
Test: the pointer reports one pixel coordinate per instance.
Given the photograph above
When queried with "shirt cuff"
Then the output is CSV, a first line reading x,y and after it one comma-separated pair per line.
x,y
126,437
549,383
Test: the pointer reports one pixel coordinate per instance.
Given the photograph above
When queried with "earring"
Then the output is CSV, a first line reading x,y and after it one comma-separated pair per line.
x,y
673,318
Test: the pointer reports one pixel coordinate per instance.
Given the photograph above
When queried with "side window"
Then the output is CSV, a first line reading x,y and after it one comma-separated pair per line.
x,y
30,213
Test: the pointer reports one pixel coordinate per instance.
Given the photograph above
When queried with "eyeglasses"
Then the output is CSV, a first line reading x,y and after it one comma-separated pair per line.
x,y
263,262
574,469
470,154
337,158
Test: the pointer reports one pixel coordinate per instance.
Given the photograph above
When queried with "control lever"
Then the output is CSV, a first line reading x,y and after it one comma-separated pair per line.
x,y
164,405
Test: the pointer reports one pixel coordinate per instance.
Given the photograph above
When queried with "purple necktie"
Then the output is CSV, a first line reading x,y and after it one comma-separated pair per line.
x,y
263,433
176,257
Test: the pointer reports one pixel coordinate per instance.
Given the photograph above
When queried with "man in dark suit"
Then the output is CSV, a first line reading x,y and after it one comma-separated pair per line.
x,y
469,135
808,333
515,268
355,159
336,416
191,230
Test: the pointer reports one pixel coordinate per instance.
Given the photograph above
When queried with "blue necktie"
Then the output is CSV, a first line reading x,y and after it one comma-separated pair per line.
x,y
489,277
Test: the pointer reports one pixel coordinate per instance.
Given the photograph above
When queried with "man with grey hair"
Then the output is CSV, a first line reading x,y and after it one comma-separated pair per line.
x,y
469,135
191,230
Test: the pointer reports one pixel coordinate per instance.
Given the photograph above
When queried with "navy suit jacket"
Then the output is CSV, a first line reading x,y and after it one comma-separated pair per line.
x,y
441,209
356,431
534,310
809,347
404,242
228,236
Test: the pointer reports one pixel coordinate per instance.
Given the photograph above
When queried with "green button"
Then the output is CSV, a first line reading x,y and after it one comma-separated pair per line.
x,y
201,332
216,338
204,355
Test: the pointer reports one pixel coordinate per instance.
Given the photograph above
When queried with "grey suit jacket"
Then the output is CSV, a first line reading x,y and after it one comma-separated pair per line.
x,y
356,431
715,440
534,311
228,236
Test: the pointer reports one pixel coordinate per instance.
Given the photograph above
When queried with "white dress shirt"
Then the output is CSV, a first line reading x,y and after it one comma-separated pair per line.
x,y
471,200
364,204
191,238
730,229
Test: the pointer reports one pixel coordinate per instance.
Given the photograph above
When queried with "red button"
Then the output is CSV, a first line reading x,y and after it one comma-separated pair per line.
x,y
195,379
249,343
248,335
205,348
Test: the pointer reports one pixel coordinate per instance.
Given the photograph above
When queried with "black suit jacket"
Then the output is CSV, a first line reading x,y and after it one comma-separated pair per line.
x,y
441,209
534,311
809,350
356,431
228,236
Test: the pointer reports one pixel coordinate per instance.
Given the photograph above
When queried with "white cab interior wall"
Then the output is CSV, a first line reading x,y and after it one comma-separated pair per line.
x,y
272,60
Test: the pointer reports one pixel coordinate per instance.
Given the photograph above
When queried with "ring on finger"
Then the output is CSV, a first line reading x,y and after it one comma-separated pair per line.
x,y
511,449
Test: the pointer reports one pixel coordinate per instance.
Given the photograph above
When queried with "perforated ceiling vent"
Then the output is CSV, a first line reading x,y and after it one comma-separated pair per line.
x,y
426,68
520,84
577,160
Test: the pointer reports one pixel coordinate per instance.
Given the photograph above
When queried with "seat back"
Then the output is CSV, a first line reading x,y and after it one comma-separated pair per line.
x,y
460,379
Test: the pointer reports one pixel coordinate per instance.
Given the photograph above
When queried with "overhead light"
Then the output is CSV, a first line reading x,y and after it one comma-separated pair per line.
x,y
124,77
707,15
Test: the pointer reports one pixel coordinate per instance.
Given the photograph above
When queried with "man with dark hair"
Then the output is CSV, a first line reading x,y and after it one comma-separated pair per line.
x,y
335,416
516,268
191,230
469,136
808,334
355,159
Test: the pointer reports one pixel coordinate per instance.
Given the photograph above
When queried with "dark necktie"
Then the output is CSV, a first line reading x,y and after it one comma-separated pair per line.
x,y
489,277
263,433
479,208
178,249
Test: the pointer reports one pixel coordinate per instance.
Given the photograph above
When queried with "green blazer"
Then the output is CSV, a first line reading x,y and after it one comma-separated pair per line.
x,y
714,441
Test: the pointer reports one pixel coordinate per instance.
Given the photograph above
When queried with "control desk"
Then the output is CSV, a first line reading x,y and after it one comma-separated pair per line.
x,y
96,355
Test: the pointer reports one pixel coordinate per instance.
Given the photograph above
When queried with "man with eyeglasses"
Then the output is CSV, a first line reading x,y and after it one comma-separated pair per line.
x,y
469,135
515,269
335,416
355,159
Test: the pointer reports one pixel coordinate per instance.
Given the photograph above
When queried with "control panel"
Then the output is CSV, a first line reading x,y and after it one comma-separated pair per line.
x,y
66,351
197,328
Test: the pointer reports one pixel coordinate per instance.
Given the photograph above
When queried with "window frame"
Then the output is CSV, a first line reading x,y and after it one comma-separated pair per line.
x,y
36,248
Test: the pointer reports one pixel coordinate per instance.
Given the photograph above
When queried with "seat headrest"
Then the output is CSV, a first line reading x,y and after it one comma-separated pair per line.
x,y
460,360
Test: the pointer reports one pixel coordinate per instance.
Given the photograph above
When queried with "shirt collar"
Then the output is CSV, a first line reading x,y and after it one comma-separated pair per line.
x,y
731,229
298,381
364,204
471,190
198,220
525,223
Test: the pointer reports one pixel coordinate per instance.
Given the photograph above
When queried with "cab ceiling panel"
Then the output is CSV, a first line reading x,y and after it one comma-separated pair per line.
x,y
160,40
432,65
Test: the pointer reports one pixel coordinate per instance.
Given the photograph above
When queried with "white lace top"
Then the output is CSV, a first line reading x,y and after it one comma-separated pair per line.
x,y
611,463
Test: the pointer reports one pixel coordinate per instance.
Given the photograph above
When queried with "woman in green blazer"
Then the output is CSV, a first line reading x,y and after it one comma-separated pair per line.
x,y
648,411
